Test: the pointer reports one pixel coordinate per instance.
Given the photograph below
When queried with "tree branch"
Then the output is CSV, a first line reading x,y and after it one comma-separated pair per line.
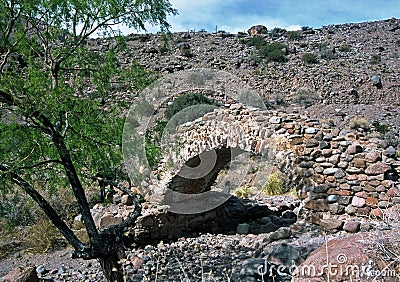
x,y
47,208
133,216
41,163
66,161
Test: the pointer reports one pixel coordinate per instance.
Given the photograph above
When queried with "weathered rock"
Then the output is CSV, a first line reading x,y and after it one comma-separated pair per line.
x,y
351,226
358,202
331,224
21,274
281,233
377,168
243,228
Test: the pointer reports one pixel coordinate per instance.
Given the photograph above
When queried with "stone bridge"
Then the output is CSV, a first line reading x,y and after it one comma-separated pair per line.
x,y
333,171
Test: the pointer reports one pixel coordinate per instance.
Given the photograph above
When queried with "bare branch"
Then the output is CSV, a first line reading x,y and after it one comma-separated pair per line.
x,y
47,208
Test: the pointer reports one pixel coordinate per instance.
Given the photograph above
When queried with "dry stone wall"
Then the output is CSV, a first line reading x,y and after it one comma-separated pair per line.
x,y
335,172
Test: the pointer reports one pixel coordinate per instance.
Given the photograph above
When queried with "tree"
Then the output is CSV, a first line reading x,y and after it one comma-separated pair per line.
x,y
53,129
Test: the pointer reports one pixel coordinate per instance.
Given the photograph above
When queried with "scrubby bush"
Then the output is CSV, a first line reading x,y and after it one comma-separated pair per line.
x,y
310,58
294,35
398,42
305,97
375,59
185,101
274,52
359,123
381,128
256,41
273,186
345,48
242,192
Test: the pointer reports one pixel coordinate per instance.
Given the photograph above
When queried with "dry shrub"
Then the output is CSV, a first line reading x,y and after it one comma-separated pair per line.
x,y
359,122
43,236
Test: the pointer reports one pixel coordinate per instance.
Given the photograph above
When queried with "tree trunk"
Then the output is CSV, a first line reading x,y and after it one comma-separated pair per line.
x,y
112,269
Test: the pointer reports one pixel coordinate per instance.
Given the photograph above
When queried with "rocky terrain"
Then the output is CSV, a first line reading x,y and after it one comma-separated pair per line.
x,y
356,76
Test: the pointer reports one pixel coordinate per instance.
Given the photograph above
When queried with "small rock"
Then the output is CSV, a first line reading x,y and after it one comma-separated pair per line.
x,y
377,168
331,224
352,226
281,233
355,149
21,274
275,120
332,199
350,210
390,152
41,269
330,170
358,202
243,228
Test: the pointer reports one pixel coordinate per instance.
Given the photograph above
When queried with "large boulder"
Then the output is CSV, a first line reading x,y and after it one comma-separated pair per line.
x,y
257,29
21,274
353,258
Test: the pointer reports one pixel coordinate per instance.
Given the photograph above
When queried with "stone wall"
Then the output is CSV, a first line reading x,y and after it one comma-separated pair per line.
x,y
336,172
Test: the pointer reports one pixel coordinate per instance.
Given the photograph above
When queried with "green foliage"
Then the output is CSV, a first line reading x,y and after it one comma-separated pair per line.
x,y
273,186
185,101
274,52
257,41
398,42
152,143
381,128
305,97
310,58
375,59
242,192
60,92
294,35
320,45
344,48
276,32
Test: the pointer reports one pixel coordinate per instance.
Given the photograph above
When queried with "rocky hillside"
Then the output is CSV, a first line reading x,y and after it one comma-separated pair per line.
x,y
356,63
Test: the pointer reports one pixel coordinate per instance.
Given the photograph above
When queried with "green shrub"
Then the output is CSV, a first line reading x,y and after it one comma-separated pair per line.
x,y
273,186
305,97
242,192
344,48
381,128
310,58
294,35
375,59
277,31
256,41
185,101
273,52
303,45
398,42
320,45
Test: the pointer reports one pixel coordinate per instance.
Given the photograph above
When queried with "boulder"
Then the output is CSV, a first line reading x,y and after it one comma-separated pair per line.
x,y
257,29
21,274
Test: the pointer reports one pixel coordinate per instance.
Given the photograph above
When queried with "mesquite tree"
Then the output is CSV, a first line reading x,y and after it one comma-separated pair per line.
x,y
53,130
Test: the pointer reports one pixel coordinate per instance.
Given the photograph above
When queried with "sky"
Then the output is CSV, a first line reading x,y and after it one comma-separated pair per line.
x,y
239,15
